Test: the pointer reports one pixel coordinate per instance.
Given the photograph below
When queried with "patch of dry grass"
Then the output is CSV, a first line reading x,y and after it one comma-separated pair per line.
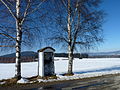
x,y
8,82
68,74
34,78
48,77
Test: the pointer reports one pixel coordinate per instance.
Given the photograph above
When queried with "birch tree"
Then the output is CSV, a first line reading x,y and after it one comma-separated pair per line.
x,y
79,24
19,11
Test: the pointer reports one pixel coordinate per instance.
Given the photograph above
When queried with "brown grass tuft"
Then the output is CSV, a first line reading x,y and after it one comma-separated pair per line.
x,y
68,74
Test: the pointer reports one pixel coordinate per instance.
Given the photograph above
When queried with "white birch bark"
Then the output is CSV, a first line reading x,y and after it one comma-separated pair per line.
x,y
18,40
70,55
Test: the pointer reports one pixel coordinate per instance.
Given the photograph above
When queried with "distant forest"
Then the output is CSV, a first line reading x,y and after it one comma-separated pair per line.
x,y
33,56
104,56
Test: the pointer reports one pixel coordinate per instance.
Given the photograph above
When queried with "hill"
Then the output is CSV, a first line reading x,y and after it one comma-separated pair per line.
x,y
23,54
27,56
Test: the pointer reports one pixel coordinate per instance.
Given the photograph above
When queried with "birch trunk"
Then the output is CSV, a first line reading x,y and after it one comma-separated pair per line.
x,y
70,64
18,41
70,55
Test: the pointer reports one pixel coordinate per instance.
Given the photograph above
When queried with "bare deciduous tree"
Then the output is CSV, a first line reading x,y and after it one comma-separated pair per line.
x,y
17,14
79,24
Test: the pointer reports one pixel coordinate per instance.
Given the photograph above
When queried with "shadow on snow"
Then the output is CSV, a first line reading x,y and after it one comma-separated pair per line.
x,y
99,70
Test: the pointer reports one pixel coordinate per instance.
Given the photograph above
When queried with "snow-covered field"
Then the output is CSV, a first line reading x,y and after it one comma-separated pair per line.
x,y
82,68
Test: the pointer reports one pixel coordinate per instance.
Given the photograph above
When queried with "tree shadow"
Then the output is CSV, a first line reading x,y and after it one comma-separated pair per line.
x,y
99,70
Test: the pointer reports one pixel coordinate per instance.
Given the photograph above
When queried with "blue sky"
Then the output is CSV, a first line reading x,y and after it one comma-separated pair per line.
x,y
112,26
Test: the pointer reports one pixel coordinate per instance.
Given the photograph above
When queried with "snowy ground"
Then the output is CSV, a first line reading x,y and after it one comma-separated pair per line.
x,y
82,68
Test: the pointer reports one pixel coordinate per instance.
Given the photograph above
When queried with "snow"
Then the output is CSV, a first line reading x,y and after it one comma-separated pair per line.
x,y
8,70
82,68
22,80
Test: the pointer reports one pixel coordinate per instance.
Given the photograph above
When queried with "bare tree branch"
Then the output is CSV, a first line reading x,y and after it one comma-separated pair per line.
x,y
9,2
37,7
81,43
59,39
7,35
8,9
6,46
64,3
26,11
